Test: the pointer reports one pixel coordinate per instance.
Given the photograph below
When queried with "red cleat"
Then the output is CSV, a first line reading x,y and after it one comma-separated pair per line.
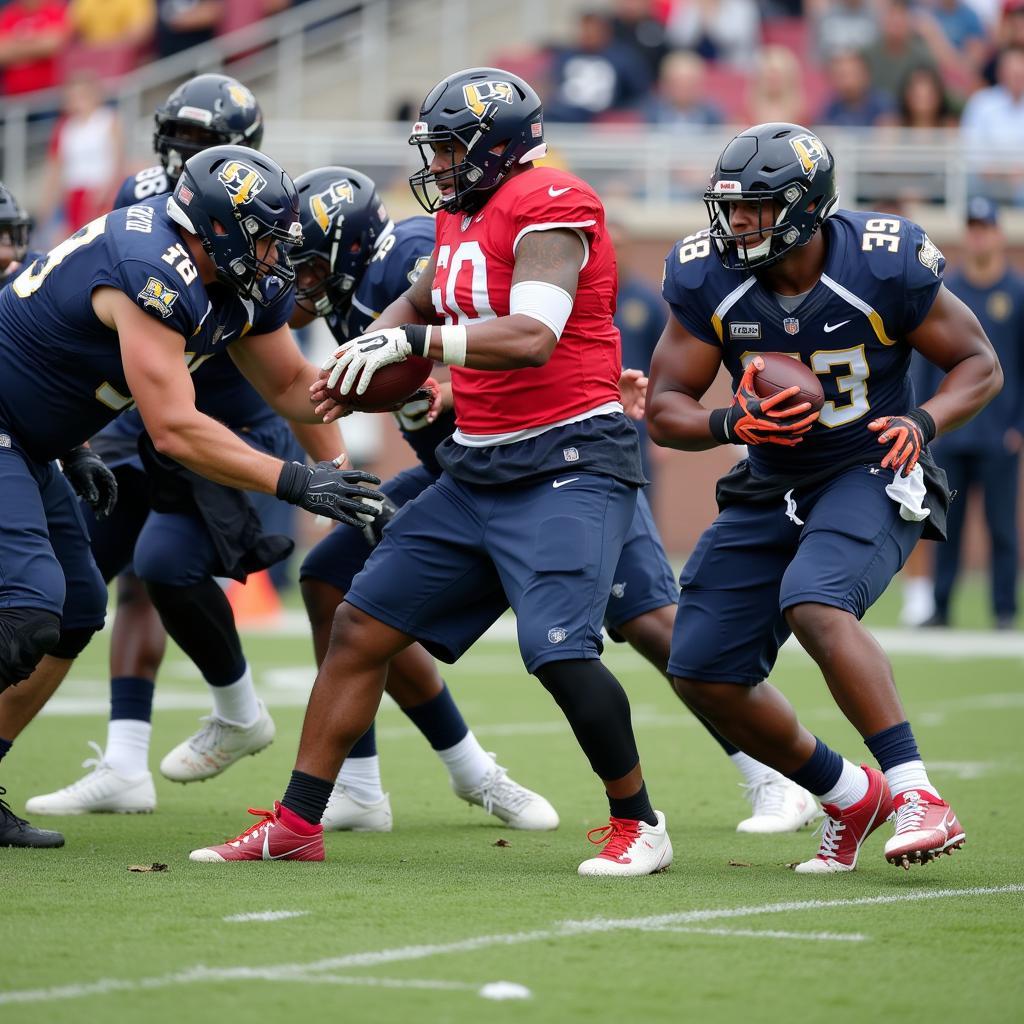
x,y
926,828
269,839
843,832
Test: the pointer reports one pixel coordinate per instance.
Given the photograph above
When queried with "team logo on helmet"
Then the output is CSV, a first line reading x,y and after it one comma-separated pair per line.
x,y
241,95
810,151
242,182
324,205
479,94
158,297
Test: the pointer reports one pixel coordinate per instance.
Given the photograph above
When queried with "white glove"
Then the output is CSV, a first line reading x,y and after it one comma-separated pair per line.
x,y
362,357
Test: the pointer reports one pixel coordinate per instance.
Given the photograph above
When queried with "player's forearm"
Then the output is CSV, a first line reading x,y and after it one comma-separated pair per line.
x,y
210,449
675,420
292,401
506,343
322,442
965,390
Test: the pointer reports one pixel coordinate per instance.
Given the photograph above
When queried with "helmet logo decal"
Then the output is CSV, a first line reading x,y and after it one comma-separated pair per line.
x,y
200,114
242,182
479,94
324,205
157,296
724,187
809,151
241,95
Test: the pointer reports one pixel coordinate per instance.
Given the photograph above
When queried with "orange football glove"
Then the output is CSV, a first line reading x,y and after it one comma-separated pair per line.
x,y
908,434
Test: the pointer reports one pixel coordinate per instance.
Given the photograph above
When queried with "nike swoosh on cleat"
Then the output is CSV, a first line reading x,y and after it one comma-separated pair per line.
x,y
561,483
556,192
829,328
267,855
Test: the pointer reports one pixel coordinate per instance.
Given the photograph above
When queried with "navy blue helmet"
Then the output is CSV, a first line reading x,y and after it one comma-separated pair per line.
x,y
343,222
496,116
14,223
208,110
790,173
231,198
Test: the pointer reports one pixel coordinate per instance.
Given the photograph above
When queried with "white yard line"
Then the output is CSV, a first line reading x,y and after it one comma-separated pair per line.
x,y
405,954
754,933
264,915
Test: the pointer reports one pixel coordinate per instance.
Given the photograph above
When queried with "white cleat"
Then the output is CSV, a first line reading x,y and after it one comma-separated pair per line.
x,y
102,790
217,746
515,805
779,805
631,848
345,813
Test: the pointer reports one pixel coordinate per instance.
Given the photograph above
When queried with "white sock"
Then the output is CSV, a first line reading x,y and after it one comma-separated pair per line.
x,y
907,776
752,771
467,762
360,776
127,750
236,703
851,787
918,600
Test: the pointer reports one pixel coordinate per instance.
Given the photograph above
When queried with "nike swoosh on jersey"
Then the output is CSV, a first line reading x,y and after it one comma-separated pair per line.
x,y
561,483
829,328
556,192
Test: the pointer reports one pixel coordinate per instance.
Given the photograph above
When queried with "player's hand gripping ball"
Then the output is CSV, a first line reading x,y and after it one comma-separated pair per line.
x,y
777,402
376,372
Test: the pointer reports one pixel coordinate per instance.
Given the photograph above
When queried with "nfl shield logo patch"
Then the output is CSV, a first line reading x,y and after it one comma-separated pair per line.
x,y
791,324
570,454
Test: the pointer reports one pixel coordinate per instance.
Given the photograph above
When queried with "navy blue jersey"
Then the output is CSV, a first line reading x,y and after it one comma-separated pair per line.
x,y
999,308
881,275
150,182
397,263
61,377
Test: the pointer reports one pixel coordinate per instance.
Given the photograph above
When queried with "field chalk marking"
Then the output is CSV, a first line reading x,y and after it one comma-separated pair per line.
x,y
265,915
404,954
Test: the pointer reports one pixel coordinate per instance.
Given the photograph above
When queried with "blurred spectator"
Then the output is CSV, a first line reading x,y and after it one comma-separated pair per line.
x,y
184,23
239,13
640,318
924,101
107,22
992,126
83,167
634,25
776,90
855,102
985,452
32,36
679,101
1009,33
841,25
594,76
728,30
899,48
961,26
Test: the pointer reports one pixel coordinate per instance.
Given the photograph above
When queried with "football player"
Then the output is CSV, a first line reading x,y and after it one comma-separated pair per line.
x,y
352,264
180,542
539,479
826,507
14,229
102,322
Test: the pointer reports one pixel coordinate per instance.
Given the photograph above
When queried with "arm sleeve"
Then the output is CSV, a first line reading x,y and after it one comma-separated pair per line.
x,y
923,267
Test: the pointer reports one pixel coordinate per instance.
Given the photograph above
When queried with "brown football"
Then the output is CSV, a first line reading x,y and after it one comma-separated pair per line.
x,y
781,372
389,386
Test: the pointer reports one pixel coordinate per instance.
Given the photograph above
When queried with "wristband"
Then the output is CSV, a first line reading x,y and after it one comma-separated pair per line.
x,y
923,418
718,425
453,346
418,335
291,484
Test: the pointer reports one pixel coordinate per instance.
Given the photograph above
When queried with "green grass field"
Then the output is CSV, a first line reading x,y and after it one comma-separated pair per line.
x,y
412,925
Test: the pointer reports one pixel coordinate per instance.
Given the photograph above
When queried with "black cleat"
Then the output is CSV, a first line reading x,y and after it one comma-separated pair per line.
x,y
15,831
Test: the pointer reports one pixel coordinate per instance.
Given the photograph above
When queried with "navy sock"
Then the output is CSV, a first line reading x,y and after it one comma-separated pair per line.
x,y
821,772
634,808
439,719
5,746
366,745
893,746
307,796
131,697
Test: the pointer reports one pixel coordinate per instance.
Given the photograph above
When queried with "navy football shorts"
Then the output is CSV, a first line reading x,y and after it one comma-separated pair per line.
x,y
45,560
457,556
838,544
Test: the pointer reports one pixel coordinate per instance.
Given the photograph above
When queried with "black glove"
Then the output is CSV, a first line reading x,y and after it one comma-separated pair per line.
x,y
328,491
93,482
372,531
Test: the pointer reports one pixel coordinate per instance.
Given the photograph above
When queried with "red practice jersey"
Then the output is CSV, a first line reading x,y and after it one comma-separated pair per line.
x,y
475,257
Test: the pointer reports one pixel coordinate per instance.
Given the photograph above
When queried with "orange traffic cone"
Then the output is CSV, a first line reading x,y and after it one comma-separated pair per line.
x,y
255,602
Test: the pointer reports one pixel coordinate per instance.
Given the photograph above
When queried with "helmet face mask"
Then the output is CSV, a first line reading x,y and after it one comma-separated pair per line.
x,y
15,225
490,121
344,222
205,111
233,199
789,174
